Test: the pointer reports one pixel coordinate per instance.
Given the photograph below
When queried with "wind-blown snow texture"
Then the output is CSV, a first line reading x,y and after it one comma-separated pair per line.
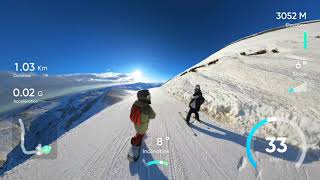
x,y
243,89
97,149
239,89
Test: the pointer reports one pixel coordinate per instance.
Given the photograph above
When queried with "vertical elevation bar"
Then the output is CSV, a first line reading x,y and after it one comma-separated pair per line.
x,y
305,40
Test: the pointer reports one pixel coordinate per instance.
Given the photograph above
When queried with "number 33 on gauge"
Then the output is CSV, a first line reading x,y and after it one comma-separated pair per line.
x,y
273,147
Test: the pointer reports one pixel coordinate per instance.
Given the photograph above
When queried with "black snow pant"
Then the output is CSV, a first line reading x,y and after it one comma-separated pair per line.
x,y
190,112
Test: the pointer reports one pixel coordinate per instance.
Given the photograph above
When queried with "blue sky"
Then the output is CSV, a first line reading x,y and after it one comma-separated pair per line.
x,y
160,38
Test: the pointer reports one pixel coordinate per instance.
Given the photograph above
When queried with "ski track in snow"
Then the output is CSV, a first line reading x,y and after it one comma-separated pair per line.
x,y
97,149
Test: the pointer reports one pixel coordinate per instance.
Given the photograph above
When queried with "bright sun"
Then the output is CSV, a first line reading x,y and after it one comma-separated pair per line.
x,y
137,75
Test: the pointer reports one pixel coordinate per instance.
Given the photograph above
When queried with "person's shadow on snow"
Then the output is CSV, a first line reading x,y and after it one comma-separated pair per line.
x,y
258,144
146,172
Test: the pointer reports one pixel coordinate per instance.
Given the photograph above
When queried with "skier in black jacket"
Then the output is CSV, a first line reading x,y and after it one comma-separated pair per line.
x,y
195,103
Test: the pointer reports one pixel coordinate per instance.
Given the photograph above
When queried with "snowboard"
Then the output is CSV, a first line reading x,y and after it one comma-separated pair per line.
x,y
134,153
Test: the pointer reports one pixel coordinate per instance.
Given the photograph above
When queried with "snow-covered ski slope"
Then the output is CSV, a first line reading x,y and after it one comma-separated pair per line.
x,y
97,149
240,90
252,79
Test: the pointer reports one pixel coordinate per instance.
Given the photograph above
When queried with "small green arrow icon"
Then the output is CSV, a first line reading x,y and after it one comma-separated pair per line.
x,y
46,149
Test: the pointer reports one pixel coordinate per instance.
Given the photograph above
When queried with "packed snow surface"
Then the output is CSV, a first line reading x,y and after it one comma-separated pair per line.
x,y
97,149
254,78
239,89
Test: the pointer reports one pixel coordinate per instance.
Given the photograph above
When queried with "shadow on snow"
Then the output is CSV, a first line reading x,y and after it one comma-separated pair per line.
x,y
258,144
142,170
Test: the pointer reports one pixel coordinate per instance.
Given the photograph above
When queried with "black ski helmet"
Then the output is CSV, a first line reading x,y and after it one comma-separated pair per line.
x,y
144,96
197,87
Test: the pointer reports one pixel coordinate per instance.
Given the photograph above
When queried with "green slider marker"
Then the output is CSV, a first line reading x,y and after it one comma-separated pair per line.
x,y
46,149
305,40
164,163
291,90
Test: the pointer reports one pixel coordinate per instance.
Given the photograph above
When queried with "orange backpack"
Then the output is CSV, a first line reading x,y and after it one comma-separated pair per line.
x,y
135,115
